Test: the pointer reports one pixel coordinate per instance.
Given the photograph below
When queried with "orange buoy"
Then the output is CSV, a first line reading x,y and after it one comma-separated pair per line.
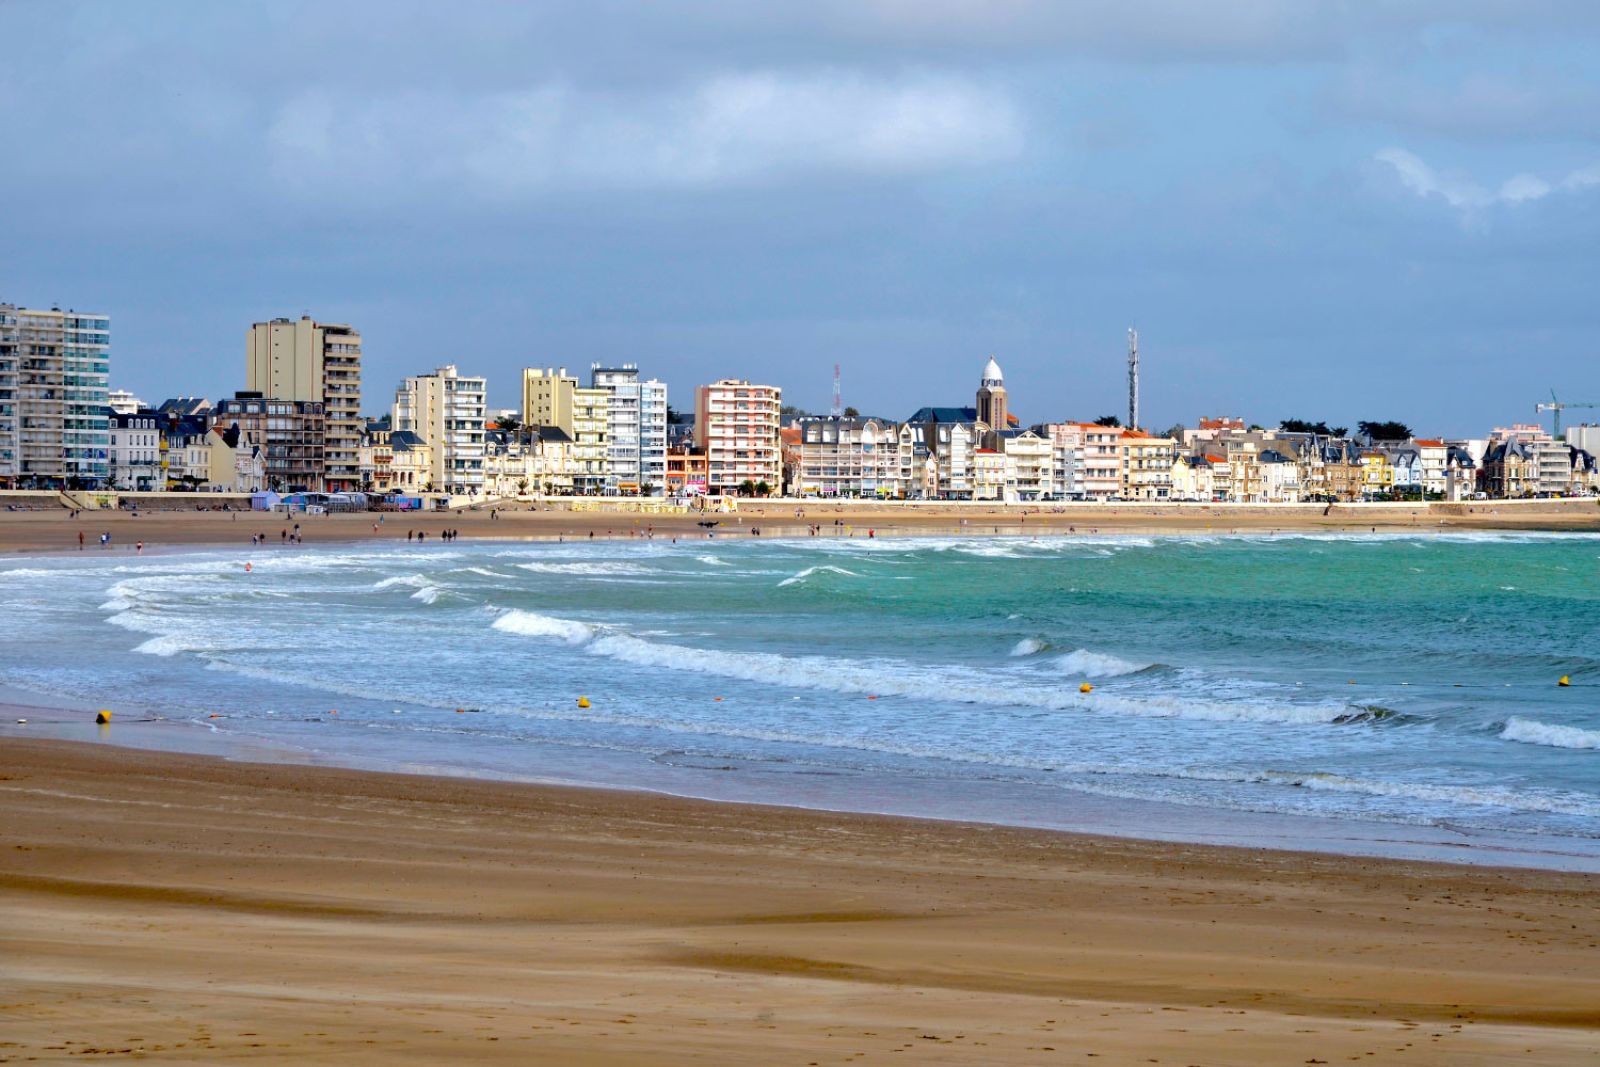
x,y
102,717
1085,688
333,711
583,702
1564,681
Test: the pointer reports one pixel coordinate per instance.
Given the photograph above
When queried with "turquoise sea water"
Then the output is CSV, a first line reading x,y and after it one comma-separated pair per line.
x,y
1375,681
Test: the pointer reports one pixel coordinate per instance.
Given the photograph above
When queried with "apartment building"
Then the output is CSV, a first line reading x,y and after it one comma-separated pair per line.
x,y
1098,451
290,434
686,472
736,424
54,425
547,397
135,451
848,456
1030,468
1146,465
636,431
445,410
314,362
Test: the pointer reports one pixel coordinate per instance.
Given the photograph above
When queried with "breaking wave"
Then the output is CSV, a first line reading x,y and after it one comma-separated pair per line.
x,y
1533,732
1086,664
909,680
821,568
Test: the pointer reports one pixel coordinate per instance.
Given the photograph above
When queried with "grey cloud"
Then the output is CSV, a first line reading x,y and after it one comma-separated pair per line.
x,y
728,129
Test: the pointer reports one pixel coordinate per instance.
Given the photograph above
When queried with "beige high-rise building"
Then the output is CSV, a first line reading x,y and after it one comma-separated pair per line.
x,y
445,410
547,397
304,360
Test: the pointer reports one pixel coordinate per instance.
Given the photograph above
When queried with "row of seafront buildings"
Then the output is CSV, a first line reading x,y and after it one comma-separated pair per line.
x,y
297,425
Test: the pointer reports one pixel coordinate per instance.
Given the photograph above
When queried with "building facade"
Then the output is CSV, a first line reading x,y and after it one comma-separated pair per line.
x,y
445,410
736,425
135,450
289,433
55,429
849,456
636,431
314,362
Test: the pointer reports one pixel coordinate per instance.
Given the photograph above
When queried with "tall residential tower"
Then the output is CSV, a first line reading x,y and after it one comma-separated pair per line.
x,y
301,359
54,423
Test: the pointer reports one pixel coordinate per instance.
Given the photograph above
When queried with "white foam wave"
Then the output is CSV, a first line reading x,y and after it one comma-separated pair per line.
x,y
1029,646
1086,664
486,572
428,594
1533,732
1488,796
713,561
414,581
903,679
532,624
596,569
822,568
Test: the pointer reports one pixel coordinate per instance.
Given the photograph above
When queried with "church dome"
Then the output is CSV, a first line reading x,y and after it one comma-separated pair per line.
x,y
991,373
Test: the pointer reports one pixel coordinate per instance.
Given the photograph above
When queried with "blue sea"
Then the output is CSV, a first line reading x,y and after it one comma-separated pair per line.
x,y
1357,693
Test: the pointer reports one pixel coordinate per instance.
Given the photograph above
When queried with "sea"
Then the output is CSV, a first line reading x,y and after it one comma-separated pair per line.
x,y
1367,694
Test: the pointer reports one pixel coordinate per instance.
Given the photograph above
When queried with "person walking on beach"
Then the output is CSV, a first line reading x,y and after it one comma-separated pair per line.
x,y
138,548
80,540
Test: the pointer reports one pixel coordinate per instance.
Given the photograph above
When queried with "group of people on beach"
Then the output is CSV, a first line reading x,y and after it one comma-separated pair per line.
x,y
286,536
422,535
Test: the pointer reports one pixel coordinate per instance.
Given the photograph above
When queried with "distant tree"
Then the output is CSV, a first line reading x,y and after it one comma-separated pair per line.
x,y
1384,431
1302,426
747,488
1108,420
1175,431
762,488
1339,431
852,413
793,409
510,425
1255,427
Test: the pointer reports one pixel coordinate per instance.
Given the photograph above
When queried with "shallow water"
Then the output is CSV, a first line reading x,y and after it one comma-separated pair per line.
x,y
1376,680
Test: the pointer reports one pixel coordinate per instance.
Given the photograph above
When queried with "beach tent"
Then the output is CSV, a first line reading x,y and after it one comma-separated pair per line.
x,y
264,500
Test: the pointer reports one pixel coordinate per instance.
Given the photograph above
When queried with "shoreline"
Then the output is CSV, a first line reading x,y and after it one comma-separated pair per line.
x,y
56,531
216,909
993,804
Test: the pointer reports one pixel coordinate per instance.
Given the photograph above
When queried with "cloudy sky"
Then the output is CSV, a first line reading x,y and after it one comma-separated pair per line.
x,y
1340,210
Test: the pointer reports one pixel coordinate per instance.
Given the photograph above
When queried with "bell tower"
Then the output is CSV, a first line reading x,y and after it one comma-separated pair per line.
x,y
992,397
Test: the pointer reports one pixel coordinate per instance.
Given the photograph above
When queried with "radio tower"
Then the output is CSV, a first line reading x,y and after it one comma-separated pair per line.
x,y
1133,378
838,397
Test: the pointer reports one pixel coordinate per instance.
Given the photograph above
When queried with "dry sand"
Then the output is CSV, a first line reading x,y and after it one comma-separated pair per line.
x,y
56,529
191,910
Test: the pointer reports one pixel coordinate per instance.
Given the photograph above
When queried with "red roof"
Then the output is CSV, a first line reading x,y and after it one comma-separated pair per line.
x,y
1430,443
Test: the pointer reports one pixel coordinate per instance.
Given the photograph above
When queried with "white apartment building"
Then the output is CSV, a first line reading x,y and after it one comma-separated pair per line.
x,y
636,431
1029,468
848,456
135,448
591,445
1146,466
736,423
309,361
124,402
446,410
54,428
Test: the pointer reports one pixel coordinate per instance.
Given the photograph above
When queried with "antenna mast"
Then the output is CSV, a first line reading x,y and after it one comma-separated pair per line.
x,y
838,397
1133,378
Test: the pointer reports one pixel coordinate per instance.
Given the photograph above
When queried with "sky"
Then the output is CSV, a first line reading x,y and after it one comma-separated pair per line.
x,y
1348,210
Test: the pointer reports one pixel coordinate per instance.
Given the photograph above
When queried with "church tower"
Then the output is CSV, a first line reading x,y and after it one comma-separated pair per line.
x,y
992,397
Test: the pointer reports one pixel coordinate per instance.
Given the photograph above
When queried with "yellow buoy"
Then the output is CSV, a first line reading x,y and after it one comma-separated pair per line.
x,y
583,702
1085,688
102,717
1564,680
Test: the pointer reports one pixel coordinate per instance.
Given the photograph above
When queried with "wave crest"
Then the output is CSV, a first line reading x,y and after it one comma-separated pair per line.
x,y
1534,732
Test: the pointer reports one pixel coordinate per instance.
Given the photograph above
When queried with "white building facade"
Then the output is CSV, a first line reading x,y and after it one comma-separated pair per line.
x,y
446,410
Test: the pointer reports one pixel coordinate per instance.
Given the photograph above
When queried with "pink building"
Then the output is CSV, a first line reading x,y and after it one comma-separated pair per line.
x,y
736,423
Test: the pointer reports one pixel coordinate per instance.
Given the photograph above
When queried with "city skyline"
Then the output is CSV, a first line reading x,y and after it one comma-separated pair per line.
x,y
1333,213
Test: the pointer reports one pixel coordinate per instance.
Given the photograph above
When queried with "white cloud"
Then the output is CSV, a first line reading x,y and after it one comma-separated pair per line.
x,y
1464,193
727,130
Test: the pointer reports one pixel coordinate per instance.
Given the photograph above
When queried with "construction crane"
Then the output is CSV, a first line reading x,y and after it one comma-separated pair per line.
x,y
1556,407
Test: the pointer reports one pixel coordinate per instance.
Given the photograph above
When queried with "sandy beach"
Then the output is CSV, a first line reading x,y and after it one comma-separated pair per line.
x,y
189,909
56,529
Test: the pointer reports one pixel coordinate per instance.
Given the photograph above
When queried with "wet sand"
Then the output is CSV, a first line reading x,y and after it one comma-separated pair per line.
x,y
57,530
194,910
